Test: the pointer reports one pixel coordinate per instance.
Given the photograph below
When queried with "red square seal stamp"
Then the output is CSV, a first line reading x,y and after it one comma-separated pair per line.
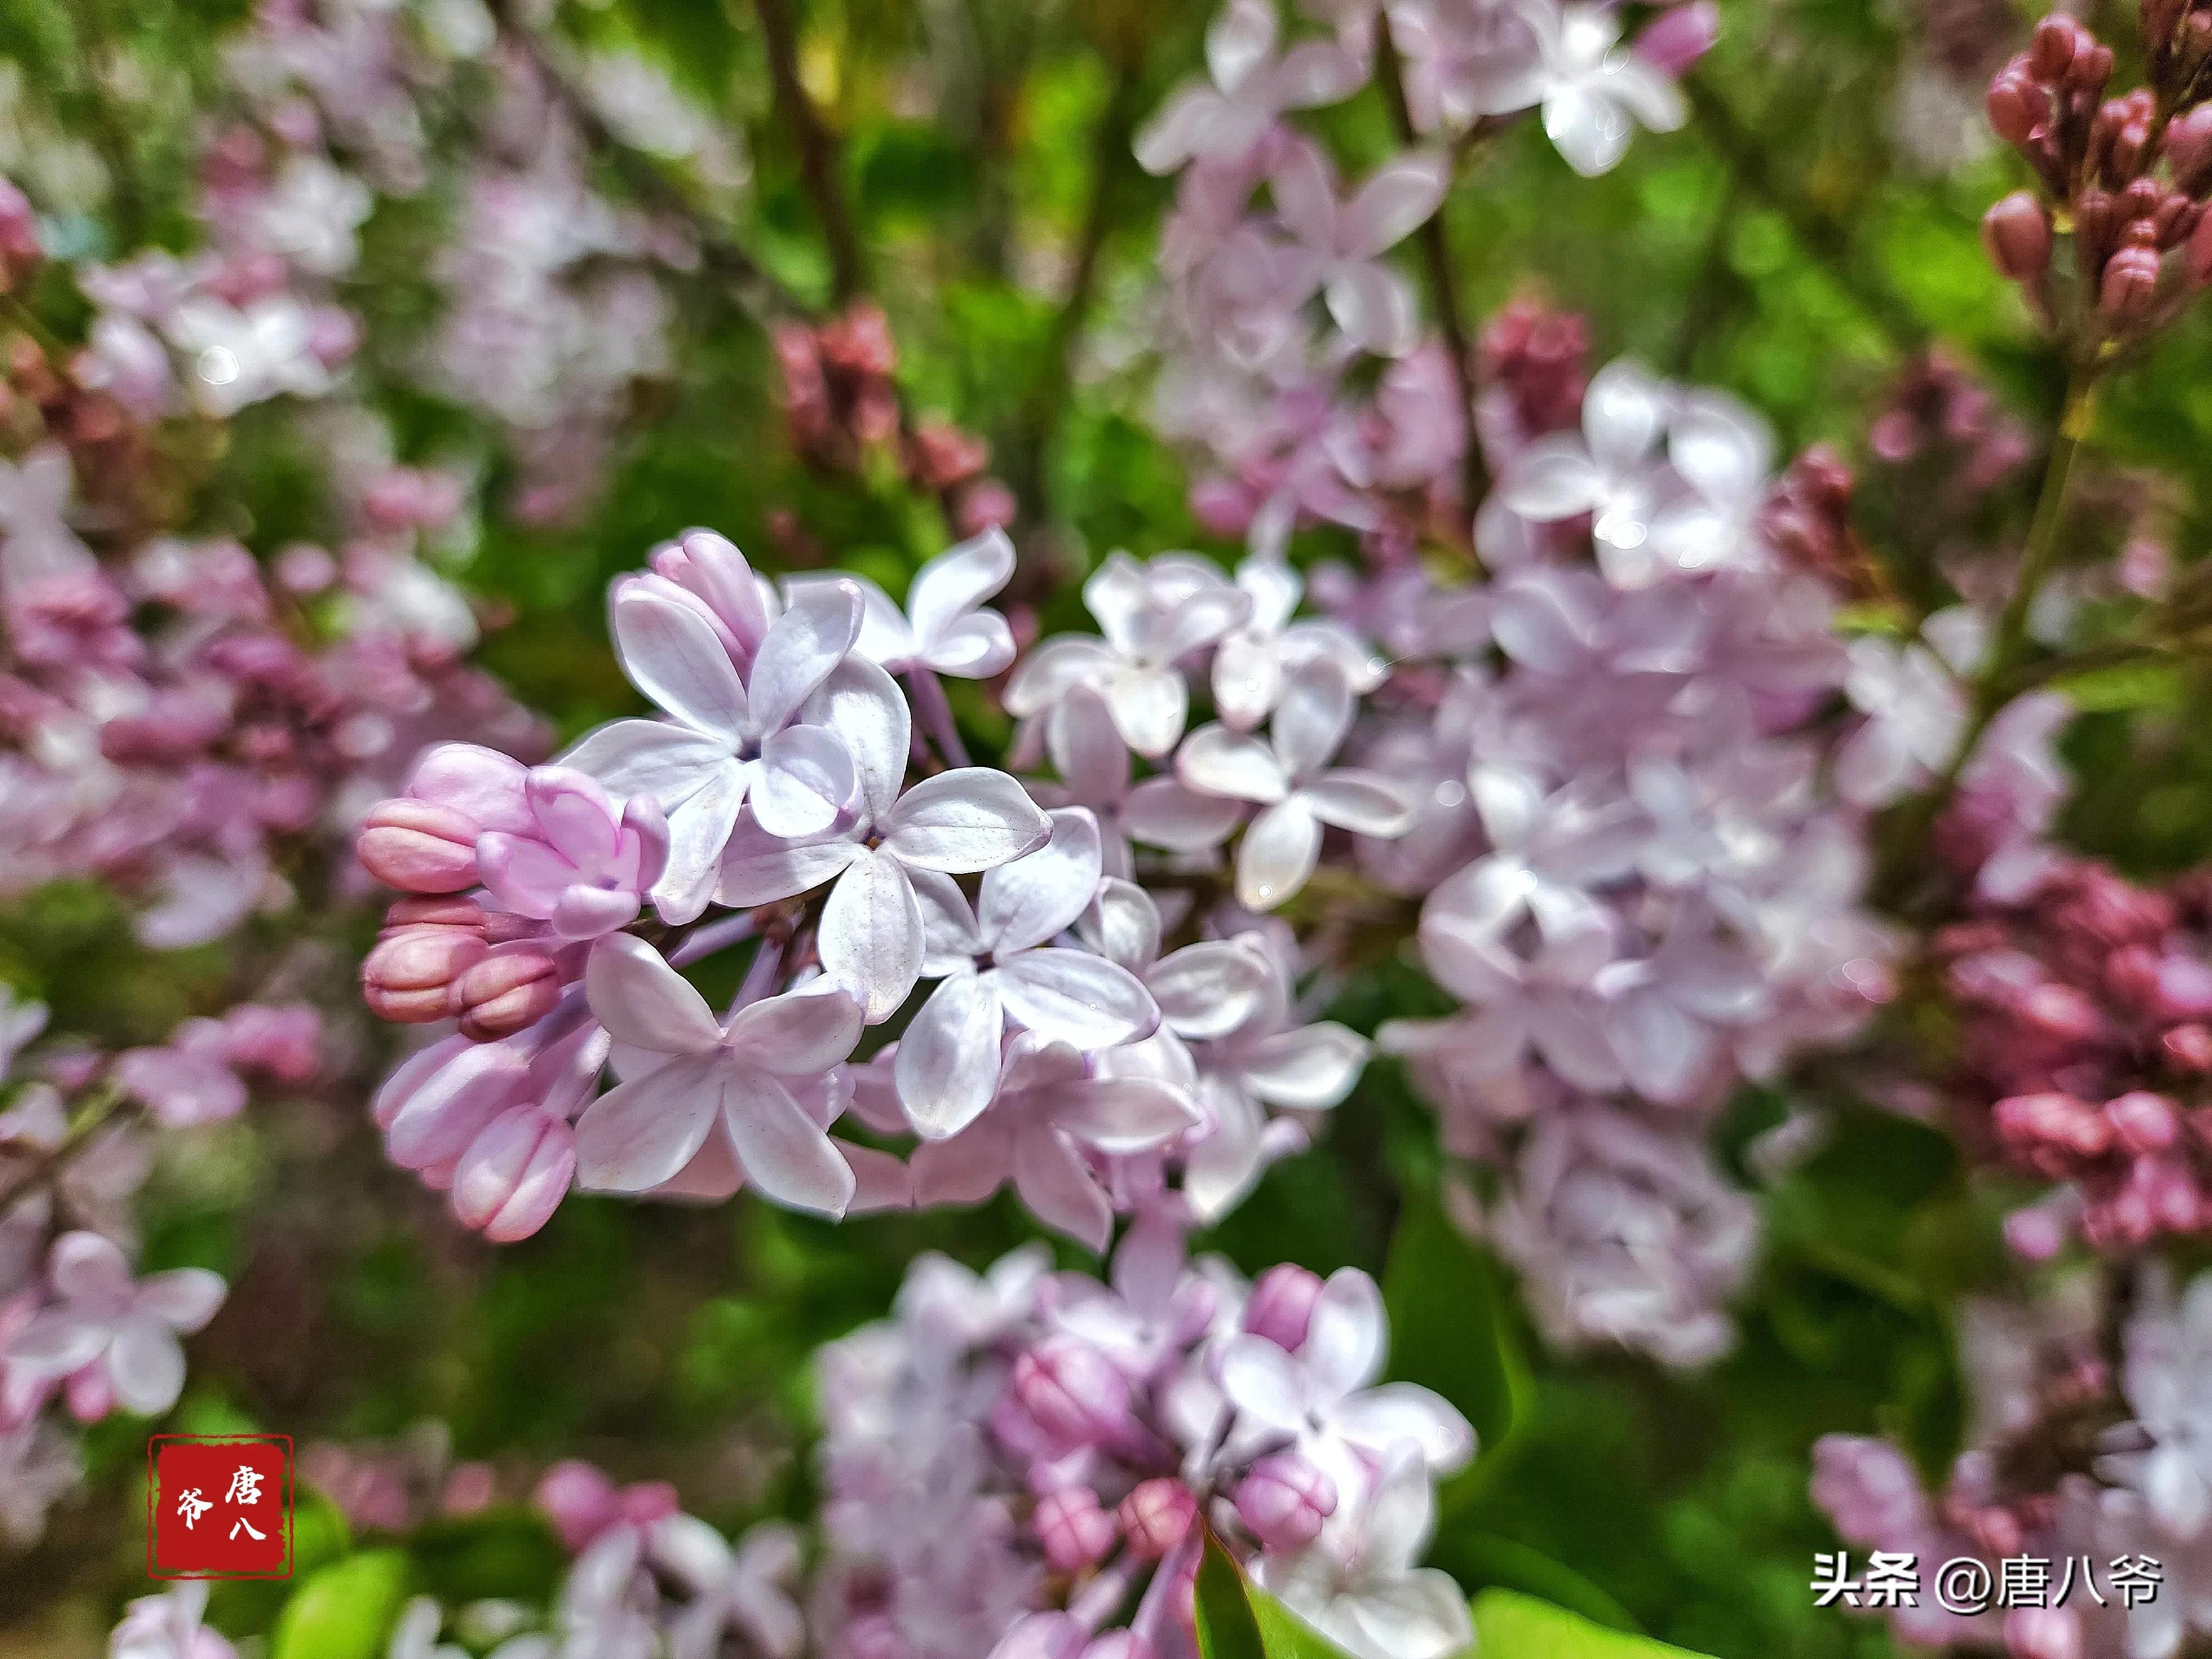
x,y
219,1506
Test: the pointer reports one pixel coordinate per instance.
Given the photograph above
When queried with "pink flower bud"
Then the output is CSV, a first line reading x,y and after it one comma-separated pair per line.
x,y
2189,147
469,1489
2051,48
502,994
1283,1501
2188,1047
515,1174
430,911
1282,1305
1157,1515
408,977
418,846
2015,107
1680,36
2131,281
578,1500
1076,1532
1072,1392
2017,234
2142,1122
281,1042
482,785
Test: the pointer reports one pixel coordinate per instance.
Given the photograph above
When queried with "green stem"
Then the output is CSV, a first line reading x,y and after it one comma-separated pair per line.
x,y
821,166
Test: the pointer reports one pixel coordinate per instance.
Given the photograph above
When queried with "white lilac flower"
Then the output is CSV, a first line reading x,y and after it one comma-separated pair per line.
x,y
1341,242
742,1591
1607,470
1152,615
945,628
36,543
1285,776
711,1104
955,822
102,1316
1596,91
1094,766
168,1627
995,968
729,741
1251,88
1253,662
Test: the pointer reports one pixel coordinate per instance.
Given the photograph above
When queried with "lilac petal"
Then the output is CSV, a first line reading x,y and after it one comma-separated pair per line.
x,y
803,645
1150,708
1382,1417
1376,308
1045,673
947,1067
1059,1190
1170,138
951,585
871,935
1124,924
1543,624
864,707
1239,40
1308,1069
1026,902
805,780
436,1122
528,877
1305,190
1277,855
87,1267
948,920
648,758
1361,802
573,814
1202,615
786,1156
1624,412
1086,750
1552,478
698,831
960,821
1121,1116
481,783
1247,679
881,1180
975,647
184,1298
1166,812
57,1342
1663,1051
1318,72
1233,765
885,639
514,1176
145,1367
1315,713
671,654
800,1033
1210,988
1264,1383
644,1002
1076,998
642,1132
711,1175
1398,198
583,913
1345,1342
965,1170
758,868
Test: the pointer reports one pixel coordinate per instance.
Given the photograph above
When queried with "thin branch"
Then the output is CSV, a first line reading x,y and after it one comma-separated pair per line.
x,y
97,1116
1996,686
1435,253
821,164
1750,159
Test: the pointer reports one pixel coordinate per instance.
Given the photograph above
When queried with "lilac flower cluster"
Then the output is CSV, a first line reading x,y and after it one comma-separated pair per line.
x,y
1026,1463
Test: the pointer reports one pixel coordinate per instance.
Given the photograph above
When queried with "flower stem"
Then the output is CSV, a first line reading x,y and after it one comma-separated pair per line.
x,y
1443,283
820,164
104,1106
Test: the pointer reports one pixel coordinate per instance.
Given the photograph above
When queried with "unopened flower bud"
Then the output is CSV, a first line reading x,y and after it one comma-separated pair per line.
x,y
1157,1517
1077,1534
515,1173
2199,256
2143,1122
2188,1047
1282,1305
418,846
432,910
2015,107
1072,1392
1284,1502
2189,148
2017,233
1679,36
2131,281
2050,50
408,977
502,994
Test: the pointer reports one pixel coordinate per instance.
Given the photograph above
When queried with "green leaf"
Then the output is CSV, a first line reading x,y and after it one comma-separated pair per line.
x,y
1284,1635
346,1611
2125,686
1511,1626
1489,1560
1451,1328
1227,1628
